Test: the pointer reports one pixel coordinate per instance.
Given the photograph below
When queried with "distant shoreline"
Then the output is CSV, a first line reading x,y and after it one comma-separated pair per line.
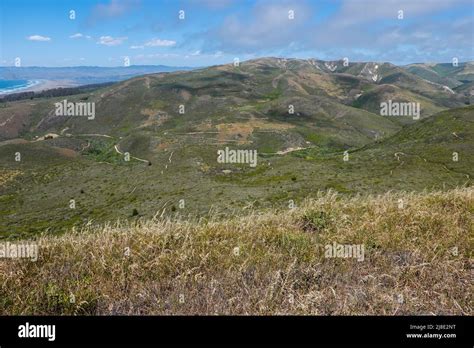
x,y
39,86
18,86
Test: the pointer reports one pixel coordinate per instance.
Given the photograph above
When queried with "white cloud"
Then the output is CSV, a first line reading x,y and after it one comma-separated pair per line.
x,y
110,41
38,38
79,35
160,43
154,43
197,53
268,25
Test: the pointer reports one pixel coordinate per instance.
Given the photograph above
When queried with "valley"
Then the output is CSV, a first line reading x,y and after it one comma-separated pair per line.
x,y
172,125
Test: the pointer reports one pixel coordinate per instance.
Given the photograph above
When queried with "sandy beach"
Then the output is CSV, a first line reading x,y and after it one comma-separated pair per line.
x,y
43,85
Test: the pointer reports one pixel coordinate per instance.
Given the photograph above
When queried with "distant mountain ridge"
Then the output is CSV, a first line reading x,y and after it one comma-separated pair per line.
x,y
444,73
337,99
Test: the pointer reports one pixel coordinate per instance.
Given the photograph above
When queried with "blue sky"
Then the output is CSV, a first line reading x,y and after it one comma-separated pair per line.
x,y
105,32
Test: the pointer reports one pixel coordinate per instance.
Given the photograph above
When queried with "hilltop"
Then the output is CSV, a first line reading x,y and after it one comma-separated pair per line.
x,y
173,168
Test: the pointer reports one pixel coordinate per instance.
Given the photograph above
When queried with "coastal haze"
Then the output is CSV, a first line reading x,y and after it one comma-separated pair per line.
x,y
257,157
36,79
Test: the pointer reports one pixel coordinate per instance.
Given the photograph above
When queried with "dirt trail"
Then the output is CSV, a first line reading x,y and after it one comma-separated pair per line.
x,y
286,151
94,135
136,158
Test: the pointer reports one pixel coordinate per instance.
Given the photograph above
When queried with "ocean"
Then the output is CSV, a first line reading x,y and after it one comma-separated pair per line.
x,y
10,86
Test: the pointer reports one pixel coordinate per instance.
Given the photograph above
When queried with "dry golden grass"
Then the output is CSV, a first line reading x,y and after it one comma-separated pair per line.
x,y
155,117
232,131
6,175
183,267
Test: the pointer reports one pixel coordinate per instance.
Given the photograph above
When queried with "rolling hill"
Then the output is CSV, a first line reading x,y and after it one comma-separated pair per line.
x,y
445,73
173,124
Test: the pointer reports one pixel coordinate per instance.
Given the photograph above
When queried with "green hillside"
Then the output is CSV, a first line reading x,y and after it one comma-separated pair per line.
x,y
173,167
